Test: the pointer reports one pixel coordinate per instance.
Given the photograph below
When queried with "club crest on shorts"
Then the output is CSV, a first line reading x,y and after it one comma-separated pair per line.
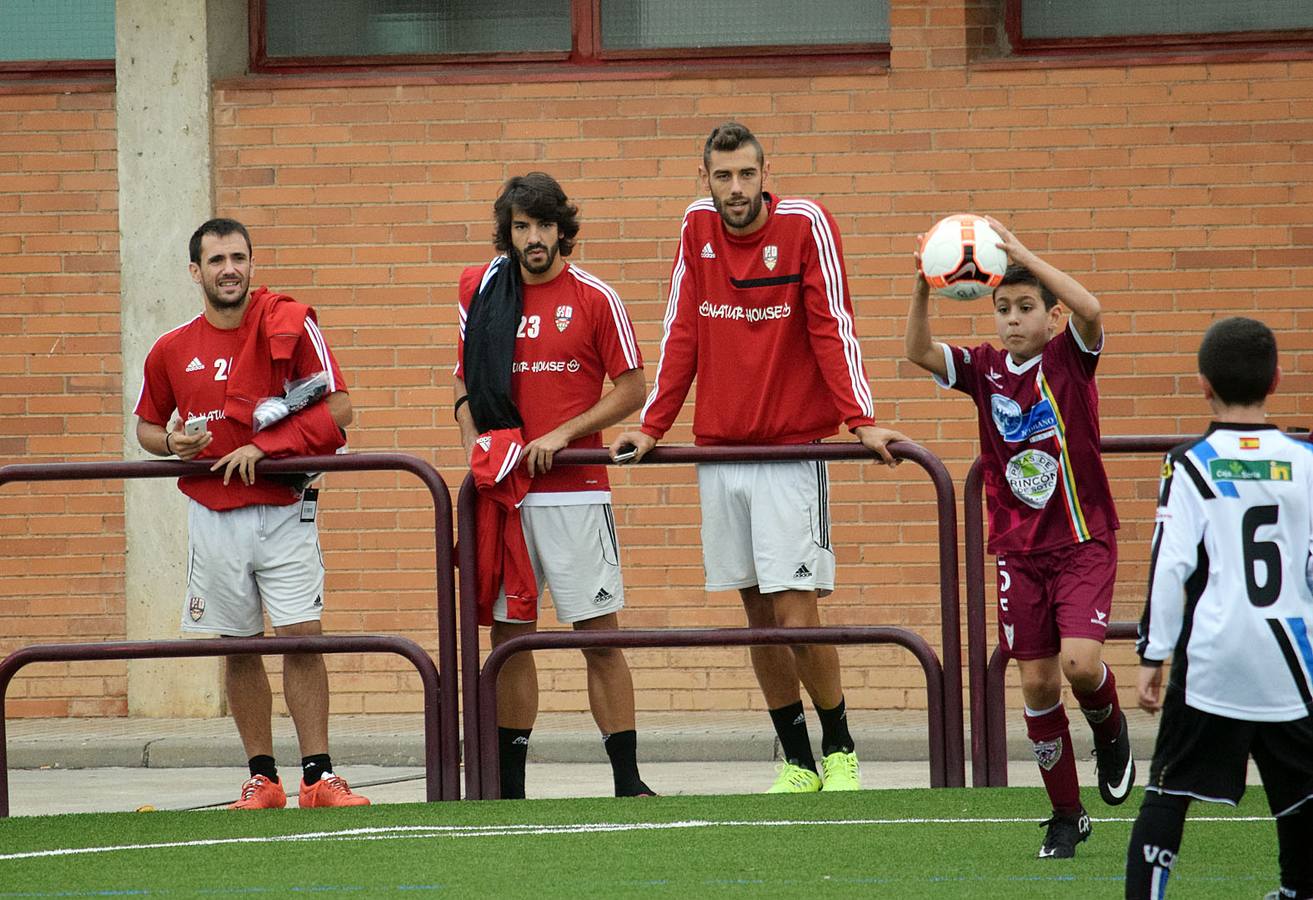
x,y
1047,753
195,608
770,255
563,316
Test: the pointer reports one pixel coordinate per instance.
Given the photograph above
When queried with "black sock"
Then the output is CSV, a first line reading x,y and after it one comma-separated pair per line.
x,y
315,767
1155,842
791,727
263,765
834,730
1294,838
622,749
512,753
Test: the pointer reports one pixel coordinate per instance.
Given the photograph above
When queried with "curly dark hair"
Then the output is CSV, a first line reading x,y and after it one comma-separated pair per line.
x,y
539,196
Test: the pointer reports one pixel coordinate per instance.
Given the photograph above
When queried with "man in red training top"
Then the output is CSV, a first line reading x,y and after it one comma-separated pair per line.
x,y
539,337
759,312
253,544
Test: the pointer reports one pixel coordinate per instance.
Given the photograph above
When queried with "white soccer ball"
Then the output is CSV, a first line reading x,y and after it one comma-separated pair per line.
x,y
960,257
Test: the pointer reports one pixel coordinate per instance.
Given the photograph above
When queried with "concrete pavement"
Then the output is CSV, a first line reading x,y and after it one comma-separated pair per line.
x,y
85,765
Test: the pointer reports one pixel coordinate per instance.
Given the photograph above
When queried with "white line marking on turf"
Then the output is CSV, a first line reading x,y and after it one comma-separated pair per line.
x,y
393,832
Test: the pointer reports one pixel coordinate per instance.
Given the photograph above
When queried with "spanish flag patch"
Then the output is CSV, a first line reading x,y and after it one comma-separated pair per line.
x,y
1249,443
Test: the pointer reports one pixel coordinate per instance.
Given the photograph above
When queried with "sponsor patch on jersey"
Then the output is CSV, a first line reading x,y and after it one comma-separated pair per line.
x,y
1033,476
195,608
1249,443
563,316
1034,424
707,252
484,442
1249,469
195,365
770,255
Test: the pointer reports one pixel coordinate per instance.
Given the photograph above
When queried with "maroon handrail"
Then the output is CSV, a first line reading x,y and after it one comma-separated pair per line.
x,y
346,643
951,701
708,637
449,719
988,703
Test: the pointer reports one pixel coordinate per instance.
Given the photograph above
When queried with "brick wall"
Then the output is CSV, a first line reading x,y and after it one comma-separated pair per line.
x,y
60,387
1176,192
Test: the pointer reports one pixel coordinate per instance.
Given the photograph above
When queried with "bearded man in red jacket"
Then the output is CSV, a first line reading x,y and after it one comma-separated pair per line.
x,y
253,546
759,313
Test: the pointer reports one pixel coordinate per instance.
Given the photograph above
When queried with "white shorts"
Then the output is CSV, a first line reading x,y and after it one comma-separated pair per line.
x,y
244,562
576,556
767,525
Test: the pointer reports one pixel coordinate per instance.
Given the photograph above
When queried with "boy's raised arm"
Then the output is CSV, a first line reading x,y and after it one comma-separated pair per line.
x,y
918,343
1086,312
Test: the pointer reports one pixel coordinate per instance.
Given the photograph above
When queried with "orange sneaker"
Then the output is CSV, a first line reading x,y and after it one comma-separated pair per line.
x,y
259,792
329,790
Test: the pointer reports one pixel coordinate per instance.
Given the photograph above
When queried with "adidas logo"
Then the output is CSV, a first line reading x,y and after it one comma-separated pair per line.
x,y
707,252
803,572
195,365
603,596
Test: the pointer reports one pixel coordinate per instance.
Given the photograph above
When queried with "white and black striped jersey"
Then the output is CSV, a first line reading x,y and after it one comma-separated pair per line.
x,y
1229,596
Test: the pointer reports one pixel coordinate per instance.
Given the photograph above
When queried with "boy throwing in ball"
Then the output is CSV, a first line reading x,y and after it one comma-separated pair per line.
x,y
1052,521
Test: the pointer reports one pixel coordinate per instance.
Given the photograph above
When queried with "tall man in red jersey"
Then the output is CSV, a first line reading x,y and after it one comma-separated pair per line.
x,y
759,311
253,544
547,378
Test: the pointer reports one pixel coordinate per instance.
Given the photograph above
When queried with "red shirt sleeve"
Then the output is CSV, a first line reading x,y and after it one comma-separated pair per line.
x,y
156,402
679,346
311,431
468,284
830,322
613,335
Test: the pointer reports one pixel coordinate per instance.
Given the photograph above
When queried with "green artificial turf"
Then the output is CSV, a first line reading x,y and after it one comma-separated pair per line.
x,y
758,846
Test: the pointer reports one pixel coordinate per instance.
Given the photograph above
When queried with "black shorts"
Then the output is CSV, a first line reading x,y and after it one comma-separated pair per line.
x,y
1206,756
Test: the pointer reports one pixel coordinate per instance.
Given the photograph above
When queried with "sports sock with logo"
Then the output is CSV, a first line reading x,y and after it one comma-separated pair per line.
x,y
791,728
263,765
1101,708
834,730
512,754
1050,740
1294,838
622,749
315,767
1155,841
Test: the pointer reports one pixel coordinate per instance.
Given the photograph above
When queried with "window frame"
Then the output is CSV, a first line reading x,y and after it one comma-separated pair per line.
x,y
586,53
1147,44
56,69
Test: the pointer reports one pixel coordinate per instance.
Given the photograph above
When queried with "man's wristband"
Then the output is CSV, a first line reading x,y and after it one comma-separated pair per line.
x,y
465,398
167,447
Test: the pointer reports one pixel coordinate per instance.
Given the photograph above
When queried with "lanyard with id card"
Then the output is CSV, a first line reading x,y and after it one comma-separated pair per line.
x,y
309,504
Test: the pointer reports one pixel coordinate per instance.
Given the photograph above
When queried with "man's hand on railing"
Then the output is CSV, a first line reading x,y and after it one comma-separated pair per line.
x,y
877,440
639,442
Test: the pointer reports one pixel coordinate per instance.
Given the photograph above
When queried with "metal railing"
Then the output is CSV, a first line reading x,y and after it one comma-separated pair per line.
x,y
448,720
490,782
480,757
345,643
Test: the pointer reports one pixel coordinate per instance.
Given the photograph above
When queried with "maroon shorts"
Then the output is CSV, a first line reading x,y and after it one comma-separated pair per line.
x,y
1063,593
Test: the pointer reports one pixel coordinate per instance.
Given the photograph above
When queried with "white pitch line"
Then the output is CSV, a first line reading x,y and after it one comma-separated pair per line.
x,y
394,832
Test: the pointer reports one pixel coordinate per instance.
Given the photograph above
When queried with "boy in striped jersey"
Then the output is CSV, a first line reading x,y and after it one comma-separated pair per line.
x,y
1230,601
1052,520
